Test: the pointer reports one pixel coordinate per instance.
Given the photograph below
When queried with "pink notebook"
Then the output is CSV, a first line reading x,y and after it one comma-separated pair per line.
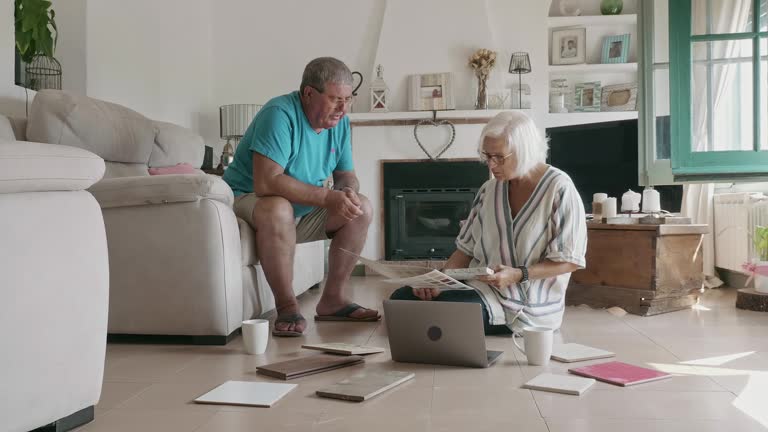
x,y
619,373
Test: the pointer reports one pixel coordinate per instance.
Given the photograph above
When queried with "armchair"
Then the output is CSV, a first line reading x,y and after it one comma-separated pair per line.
x,y
54,293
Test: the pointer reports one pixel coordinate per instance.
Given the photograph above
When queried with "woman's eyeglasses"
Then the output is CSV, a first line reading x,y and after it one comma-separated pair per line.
x,y
496,159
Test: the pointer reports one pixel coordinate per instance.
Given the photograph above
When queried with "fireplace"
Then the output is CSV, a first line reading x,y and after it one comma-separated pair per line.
x,y
424,204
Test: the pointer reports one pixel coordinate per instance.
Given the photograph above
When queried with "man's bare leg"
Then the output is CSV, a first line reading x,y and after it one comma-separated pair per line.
x,y
276,242
348,235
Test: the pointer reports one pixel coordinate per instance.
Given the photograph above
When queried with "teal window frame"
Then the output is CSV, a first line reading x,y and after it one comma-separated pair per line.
x,y
688,165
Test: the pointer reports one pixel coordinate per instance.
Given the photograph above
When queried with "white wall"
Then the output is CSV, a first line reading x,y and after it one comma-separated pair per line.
x,y
154,57
71,45
12,97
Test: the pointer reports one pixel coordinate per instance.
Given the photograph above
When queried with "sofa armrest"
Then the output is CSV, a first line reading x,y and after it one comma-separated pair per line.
x,y
164,189
37,167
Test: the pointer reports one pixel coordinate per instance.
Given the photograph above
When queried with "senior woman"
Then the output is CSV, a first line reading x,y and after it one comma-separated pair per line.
x,y
527,223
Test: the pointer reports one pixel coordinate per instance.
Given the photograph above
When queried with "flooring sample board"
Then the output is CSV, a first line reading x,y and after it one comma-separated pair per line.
x,y
308,365
365,385
343,348
246,393
567,384
619,373
573,352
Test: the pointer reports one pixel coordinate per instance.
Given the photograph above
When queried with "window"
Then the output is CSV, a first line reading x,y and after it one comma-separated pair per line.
x,y
718,89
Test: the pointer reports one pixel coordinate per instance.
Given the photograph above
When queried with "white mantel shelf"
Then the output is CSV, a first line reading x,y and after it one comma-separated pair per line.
x,y
410,118
567,21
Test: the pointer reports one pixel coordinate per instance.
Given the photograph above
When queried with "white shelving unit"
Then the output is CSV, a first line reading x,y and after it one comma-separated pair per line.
x,y
597,28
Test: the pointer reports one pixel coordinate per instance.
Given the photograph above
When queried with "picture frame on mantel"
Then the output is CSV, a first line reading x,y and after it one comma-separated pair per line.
x,y
431,92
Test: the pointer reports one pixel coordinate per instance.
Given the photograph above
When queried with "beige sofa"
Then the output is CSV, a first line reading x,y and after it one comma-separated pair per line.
x,y
55,284
181,264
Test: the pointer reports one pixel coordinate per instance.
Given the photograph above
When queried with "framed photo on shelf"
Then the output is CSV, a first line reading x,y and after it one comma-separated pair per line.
x,y
619,97
569,46
428,92
615,49
587,97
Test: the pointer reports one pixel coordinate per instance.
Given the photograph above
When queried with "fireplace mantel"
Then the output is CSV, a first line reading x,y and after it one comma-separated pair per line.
x,y
410,118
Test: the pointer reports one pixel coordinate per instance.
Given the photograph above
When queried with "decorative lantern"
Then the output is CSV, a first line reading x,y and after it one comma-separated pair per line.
x,y
379,92
43,72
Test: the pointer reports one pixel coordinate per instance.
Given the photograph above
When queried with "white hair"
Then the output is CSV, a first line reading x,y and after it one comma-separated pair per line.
x,y
522,136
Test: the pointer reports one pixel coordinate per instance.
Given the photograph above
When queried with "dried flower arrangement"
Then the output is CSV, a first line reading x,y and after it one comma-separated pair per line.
x,y
482,61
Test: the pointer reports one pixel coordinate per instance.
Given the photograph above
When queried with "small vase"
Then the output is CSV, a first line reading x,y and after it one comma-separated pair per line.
x,y
611,7
570,7
481,102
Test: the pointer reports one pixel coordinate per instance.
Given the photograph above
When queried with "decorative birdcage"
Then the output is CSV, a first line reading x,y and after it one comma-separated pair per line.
x,y
43,72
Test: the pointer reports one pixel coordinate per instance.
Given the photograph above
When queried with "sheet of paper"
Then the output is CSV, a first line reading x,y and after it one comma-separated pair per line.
x,y
414,276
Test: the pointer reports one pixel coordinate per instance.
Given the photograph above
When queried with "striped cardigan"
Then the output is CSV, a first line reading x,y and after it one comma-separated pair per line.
x,y
550,226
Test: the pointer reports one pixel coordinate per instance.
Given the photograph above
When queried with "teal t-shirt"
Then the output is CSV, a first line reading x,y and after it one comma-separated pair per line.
x,y
281,132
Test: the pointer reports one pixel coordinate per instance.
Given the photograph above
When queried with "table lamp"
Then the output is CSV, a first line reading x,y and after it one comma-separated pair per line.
x,y
520,64
234,119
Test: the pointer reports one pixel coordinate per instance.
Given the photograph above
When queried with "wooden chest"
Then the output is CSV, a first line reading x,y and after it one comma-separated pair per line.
x,y
644,269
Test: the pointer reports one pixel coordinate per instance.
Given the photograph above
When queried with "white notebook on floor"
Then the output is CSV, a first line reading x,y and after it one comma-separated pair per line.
x,y
567,384
246,393
573,352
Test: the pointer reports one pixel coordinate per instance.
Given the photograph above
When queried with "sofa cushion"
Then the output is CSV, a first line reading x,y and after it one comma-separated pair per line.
x,y
182,168
6,130
175,144
19,126
136,191
114,132
119,169
37,167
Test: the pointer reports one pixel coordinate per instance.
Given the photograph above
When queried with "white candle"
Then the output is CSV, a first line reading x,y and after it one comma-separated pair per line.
x,y
609,207
599,197
651,201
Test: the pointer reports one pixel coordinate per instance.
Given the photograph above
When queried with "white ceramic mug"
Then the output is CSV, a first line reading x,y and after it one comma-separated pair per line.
x,y
255,336
538,345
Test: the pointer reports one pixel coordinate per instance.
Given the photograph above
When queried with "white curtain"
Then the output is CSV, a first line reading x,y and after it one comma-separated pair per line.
x,y
728,16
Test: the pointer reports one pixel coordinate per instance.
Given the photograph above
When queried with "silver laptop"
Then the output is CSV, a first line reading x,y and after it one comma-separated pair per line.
x,y
436,332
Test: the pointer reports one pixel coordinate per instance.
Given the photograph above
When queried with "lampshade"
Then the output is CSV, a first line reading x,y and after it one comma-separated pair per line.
x,y
234,119
520,63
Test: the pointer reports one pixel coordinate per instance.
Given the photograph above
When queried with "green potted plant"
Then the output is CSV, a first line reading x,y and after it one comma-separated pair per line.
x,y
36,34
760,241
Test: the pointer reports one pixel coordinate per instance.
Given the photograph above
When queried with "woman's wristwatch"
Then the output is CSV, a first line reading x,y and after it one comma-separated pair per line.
x,y
524,270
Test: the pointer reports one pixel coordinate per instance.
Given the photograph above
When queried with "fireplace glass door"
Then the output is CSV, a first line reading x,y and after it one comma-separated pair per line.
x,y
424,223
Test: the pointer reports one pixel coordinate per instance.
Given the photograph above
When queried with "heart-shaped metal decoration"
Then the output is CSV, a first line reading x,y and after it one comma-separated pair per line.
x,y
436,124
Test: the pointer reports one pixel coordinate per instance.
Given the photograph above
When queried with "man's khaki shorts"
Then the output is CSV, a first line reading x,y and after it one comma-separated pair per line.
x,y
309,227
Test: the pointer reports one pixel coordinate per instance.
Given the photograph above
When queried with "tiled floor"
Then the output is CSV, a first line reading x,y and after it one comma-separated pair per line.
x,y
718,353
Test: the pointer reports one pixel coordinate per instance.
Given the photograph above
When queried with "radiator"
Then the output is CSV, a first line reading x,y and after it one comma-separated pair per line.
x,y
736,215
